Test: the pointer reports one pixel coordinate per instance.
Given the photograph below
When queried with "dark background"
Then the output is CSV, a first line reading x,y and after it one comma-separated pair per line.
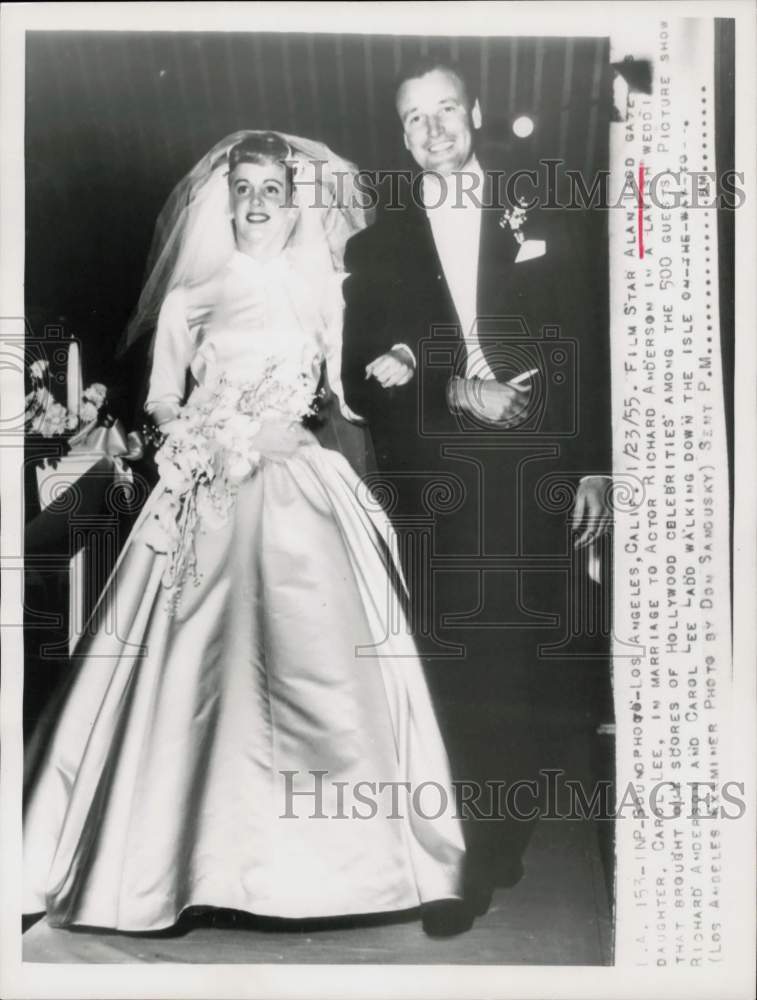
x,y
115,119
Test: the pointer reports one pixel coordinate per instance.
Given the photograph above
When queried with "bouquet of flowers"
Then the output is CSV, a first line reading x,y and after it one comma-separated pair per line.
x,y
209,450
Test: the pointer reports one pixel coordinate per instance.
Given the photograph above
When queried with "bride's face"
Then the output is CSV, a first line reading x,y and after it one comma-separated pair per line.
x,y
260,207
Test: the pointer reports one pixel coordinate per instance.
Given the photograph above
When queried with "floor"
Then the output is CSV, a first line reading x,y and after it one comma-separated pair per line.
x,y
556,915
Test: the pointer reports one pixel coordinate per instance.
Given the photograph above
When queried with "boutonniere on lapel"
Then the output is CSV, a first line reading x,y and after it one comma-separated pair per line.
x,y
514,219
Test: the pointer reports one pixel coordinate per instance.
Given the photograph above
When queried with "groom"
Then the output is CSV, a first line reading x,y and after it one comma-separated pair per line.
x,y
480,363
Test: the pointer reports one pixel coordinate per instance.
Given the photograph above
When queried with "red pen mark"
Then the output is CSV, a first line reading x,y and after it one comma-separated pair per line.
x,y
641,210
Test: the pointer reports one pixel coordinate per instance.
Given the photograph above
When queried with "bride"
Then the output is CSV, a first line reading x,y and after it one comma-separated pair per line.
x,y
249,726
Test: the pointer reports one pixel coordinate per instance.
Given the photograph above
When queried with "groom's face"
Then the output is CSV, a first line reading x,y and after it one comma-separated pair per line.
x,y
438,120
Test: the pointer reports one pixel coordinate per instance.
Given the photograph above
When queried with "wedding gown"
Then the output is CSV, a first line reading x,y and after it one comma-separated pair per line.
x,y
179,770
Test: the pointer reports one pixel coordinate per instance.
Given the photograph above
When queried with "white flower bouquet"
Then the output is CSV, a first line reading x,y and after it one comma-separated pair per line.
x,y
209,450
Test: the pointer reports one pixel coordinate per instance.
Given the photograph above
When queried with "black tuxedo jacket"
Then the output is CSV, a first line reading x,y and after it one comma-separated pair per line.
x,y
547,312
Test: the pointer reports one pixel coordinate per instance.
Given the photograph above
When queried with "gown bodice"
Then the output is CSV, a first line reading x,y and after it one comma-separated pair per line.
x,y
254,337
252,320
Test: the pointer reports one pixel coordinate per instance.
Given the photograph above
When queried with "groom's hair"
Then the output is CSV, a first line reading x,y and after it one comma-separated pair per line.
x,y
424,64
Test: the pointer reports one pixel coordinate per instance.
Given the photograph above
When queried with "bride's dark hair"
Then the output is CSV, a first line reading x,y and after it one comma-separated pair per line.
x,y
262,147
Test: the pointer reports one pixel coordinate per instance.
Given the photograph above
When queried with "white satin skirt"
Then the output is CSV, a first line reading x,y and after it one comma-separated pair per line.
x,y
270,746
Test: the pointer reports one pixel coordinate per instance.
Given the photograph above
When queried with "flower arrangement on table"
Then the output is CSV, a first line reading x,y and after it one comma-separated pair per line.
x,y
75,447
65,442
45,416
210,449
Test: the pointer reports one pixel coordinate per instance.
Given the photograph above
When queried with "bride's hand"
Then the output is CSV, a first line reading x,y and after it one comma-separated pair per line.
x,y
162,414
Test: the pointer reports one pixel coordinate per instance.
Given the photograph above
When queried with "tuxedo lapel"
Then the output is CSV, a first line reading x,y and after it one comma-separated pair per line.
x,y
426,266
495,254
495,297
496,257
496,301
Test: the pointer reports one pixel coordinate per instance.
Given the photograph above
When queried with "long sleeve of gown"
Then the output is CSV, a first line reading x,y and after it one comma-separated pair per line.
x,y
174,348
332,313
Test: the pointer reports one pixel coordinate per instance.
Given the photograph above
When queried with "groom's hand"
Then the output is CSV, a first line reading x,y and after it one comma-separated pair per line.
x,y
592,510
393,368
498,403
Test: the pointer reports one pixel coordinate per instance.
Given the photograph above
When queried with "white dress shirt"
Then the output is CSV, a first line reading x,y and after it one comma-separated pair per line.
x,y
455,220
